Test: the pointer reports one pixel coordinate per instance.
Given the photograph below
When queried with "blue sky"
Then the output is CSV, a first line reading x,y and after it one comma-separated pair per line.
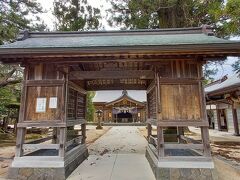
x,y
103,5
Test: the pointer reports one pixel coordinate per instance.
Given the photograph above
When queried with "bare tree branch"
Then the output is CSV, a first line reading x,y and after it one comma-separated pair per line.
x,y
9,82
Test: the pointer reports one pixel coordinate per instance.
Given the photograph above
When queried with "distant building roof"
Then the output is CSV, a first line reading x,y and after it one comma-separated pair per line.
x,y
108,96
223,84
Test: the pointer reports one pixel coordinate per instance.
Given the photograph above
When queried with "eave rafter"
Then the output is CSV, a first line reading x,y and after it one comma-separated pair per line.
x,y
71,59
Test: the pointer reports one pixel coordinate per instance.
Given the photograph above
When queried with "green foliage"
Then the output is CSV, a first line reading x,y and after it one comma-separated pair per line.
x,y
230,19
8,95
10,88
141,14
15,15
18,15
145,14
90,106
76,15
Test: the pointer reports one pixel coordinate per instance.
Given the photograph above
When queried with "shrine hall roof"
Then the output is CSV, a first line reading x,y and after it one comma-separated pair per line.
x,y
227,83
109,96
91,39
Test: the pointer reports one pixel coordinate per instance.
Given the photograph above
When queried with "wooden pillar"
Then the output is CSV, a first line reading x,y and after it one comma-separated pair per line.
x,y
55,138
218,120
160,141
180,131
62,140
83,128
235,122
205,141
20,141
149,130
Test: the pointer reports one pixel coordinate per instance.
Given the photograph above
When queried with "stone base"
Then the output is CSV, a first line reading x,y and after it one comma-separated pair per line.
x,y
49,168
168,173
36,173
75,163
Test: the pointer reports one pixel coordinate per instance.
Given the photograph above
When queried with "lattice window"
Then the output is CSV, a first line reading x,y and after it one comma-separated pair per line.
x,y
71,108
151,100
76,105
81,102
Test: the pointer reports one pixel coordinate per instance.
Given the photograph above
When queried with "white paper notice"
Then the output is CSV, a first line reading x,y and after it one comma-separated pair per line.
x,y
53,102
41,105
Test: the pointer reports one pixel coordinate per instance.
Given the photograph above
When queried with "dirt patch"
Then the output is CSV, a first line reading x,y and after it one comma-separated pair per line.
x,y
143,131
7,139
6,157
93,134
228,150
7,144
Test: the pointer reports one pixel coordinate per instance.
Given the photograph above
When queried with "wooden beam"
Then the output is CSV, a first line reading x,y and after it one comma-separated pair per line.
x,y
152,121
117,74
47,82
179,80
42,124
76,87
182,123
116,87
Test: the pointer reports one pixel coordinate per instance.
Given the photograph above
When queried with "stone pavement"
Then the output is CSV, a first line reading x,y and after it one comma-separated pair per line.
x,y
215,135
117,155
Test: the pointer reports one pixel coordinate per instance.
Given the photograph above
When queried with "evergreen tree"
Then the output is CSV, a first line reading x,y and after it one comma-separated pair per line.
x,y
145,14
16,15
76,15
90,106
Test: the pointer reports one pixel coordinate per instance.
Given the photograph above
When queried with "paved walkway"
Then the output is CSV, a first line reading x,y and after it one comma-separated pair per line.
x,y
215,135
117,155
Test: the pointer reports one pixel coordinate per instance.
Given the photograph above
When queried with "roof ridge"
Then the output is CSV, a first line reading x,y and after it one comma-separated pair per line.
x,y
218,81
190,30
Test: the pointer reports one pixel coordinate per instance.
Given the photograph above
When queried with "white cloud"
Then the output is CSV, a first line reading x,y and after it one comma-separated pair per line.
x,y
47,16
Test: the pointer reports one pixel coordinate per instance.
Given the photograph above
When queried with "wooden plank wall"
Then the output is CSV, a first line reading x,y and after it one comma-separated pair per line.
x,y
180,91
180,102
50,80
43,81
44,92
